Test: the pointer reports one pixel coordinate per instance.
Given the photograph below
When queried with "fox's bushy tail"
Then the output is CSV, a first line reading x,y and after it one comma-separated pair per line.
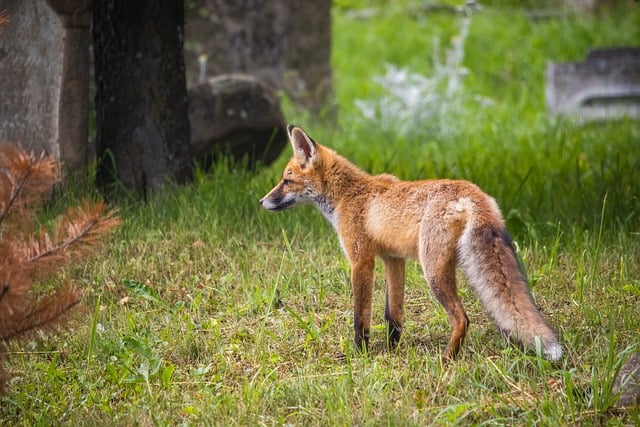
x,y
490,262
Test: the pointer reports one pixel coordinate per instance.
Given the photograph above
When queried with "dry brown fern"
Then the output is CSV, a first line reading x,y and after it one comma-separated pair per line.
x,y
29,254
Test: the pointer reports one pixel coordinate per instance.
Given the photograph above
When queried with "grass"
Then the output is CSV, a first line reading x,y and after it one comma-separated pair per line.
x,y
205,309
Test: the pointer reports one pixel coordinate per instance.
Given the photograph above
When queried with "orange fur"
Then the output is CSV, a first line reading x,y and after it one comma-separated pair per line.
x,y
441,223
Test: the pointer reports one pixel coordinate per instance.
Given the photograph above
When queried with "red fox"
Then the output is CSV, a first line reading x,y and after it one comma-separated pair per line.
x,y
441,223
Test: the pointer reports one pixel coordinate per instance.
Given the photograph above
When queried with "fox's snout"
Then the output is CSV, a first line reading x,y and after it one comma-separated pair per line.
x,y
264,202
274,203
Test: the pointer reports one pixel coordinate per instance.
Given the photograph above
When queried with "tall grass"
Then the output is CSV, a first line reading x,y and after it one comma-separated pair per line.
x,y
206,309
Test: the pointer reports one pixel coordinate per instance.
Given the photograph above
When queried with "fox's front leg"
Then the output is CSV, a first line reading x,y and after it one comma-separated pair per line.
x,y
393,312
362,284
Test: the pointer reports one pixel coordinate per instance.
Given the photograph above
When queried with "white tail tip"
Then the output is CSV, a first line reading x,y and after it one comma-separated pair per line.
x,y
553,352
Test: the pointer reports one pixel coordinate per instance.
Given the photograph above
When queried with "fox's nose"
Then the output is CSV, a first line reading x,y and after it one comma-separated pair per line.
x,y
261,201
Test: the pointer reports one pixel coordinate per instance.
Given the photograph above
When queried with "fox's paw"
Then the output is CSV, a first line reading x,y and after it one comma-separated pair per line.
x,y
362,343
449,354
393,336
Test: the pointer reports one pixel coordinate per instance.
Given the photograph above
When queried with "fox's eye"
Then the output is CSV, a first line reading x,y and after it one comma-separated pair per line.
x,y
286,182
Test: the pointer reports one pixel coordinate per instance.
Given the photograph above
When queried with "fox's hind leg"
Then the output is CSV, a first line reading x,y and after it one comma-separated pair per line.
x,y
438,259
441,276
393,312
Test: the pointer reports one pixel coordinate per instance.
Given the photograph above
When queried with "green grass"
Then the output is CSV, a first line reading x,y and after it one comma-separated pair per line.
x,y
206,309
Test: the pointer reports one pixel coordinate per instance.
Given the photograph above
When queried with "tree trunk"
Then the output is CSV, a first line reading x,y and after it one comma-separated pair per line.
x,y
142,135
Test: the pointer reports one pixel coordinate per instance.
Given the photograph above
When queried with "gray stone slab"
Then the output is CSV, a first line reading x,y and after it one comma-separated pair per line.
x,y
44,60
605,86
284,43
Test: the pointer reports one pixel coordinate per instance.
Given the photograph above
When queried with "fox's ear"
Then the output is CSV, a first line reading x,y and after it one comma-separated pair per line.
x,y
304,148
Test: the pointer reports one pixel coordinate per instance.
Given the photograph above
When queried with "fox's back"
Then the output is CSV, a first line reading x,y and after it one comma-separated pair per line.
x,y
397,211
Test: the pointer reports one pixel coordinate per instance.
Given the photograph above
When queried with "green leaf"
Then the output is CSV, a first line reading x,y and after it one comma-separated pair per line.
x,y
141,290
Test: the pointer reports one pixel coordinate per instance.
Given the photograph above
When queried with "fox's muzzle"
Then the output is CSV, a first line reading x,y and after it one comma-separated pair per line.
x,y
276,204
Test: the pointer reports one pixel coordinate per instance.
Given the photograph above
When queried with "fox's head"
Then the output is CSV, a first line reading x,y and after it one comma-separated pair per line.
x,y
301,181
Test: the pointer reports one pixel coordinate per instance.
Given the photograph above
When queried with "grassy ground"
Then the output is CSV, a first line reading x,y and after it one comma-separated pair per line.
x,y
205,309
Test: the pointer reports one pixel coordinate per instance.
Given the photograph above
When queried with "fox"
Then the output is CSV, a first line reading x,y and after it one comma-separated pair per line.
x,y
444,224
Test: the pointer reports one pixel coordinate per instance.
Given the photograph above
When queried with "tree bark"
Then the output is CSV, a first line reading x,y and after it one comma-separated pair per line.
x,y
142,135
